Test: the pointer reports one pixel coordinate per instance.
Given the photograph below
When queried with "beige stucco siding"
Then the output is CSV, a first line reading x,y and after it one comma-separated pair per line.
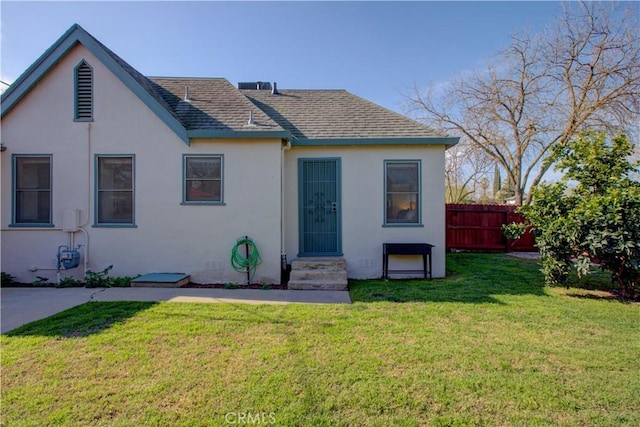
x,y
168,236
362,210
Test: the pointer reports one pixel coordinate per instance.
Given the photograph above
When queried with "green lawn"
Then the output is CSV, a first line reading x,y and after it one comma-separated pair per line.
x,y
489,345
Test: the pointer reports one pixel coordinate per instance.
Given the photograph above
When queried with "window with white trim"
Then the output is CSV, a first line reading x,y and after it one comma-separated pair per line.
x,y
32,189
115,191
83,92
202,179
402,192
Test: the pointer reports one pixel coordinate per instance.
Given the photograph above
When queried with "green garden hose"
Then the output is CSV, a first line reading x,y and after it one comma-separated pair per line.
x,y
243,263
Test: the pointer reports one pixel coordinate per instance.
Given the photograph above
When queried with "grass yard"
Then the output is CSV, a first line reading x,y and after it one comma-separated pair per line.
x,y
489,345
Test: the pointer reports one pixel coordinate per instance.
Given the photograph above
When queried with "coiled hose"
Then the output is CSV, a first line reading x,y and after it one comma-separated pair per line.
x,y
243,263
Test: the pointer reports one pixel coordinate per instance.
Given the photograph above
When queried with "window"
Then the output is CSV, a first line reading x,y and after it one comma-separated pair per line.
x,y
83,92
202,179
115,190
32,190
402,192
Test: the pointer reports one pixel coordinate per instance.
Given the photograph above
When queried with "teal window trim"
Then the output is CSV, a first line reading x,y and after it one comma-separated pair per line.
x,y
113,225
96,222
418,223
185,202
31,225
78,115
15,190
200,203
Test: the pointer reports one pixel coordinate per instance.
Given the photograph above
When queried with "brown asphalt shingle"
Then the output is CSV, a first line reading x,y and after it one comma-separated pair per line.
x,y
328,114
214,104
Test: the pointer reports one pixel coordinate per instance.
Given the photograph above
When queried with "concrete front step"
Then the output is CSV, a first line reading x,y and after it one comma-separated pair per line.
x,y
315,263
326,273
312,285
321,274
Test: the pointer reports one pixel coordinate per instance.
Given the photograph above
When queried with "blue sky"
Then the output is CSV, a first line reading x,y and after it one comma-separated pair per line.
x,y
377,50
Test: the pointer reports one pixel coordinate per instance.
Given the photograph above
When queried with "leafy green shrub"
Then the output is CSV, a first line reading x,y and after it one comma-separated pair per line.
x,y
7,279
121,282
598,218
99,279
69,282
41,281
514,230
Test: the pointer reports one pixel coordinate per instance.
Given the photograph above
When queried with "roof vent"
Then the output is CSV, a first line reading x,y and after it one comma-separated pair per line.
x,y
274,90
254,85
186,94
251,122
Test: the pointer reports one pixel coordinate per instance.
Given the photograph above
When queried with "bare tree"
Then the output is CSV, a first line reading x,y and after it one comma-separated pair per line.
x,y
466,168
541,91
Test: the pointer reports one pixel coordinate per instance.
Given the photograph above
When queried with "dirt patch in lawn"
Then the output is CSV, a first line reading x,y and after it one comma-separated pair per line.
x,y
525,255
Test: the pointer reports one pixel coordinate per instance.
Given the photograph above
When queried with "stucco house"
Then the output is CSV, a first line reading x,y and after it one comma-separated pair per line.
x,y
156,174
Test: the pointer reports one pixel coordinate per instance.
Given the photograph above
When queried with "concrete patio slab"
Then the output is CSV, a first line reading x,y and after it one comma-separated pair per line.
x,y
23,305
19,306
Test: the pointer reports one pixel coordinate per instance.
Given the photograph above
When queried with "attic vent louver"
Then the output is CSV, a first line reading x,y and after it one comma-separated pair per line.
x,y
84,92
254,86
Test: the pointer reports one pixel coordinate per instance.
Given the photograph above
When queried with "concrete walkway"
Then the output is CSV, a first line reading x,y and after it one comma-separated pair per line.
x,y
23,305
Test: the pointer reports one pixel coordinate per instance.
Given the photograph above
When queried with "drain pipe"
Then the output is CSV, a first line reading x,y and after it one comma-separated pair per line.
x,y
283,255
89,152
85,246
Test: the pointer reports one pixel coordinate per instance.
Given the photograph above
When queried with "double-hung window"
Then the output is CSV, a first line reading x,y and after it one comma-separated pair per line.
x,y
402,192
202,179
32,190
115,190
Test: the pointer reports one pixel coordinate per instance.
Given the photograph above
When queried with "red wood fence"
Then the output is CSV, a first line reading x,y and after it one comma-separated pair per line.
x,y
479,228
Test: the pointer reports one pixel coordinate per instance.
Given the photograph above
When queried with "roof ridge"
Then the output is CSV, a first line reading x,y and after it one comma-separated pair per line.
x,y
186,78
298,90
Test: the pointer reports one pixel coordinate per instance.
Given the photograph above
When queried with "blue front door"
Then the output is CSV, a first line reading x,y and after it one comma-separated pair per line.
x,y
319,197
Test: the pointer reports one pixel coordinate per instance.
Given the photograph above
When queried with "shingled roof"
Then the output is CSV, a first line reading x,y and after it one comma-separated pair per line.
x,y
213,104
335,114
214,108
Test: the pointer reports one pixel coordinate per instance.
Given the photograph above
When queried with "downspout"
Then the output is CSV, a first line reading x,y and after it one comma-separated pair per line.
x,y
83,224
283,255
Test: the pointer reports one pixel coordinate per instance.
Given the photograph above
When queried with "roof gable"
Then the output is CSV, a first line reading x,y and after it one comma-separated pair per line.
x,y
131,78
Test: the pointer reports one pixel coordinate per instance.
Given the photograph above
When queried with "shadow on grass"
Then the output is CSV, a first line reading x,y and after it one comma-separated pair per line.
x,y
83,320
471,278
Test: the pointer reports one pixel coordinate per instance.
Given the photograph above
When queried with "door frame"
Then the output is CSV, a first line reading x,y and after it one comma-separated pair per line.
x,y
338,164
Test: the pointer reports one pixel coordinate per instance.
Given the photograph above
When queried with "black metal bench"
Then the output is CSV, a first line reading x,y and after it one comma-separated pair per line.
x,y
423,249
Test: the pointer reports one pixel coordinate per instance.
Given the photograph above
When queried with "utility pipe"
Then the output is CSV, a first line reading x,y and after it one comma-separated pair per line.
x,y
285,147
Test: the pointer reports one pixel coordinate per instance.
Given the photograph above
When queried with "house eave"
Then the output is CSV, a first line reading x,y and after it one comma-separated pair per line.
x,y
237,134
309,142
36,71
